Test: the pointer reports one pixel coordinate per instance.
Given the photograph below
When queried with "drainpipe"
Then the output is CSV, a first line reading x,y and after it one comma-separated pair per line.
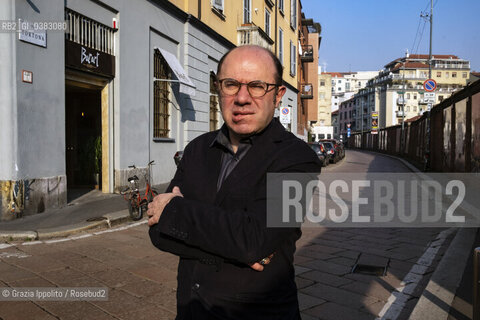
x,y
276,31
199,9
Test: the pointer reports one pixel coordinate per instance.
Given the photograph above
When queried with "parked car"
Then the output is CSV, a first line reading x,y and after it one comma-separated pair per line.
x,y
177,157
327,155
320,151
330,147
340,149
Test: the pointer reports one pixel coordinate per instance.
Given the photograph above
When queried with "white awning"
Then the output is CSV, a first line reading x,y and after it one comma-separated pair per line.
x,y
186,84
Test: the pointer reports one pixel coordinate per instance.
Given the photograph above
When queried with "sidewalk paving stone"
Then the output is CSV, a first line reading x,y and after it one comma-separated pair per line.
x,y
303,283
339,296
328,267
333,311
325,278
306,301
15,310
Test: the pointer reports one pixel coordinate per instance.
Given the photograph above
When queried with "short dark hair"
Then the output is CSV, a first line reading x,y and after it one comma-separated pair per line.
x,y
278,65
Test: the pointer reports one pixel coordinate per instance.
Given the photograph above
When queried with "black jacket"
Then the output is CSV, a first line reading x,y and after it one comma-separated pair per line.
x,y
218,234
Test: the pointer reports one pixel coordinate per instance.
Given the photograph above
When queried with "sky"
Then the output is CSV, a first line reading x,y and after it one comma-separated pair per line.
x,y
365,35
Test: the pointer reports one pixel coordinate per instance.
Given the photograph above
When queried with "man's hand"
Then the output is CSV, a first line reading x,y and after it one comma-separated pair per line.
x,y
156,207
258,266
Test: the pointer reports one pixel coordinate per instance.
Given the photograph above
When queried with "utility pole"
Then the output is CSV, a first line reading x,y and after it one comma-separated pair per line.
x,y
427,124
430,51
402,136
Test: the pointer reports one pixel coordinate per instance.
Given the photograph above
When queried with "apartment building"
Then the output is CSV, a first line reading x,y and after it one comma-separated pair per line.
x,y
400,85
124,82
309,43
344,85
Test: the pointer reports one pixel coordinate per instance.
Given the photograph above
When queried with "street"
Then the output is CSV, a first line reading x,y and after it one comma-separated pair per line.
x,y
141,280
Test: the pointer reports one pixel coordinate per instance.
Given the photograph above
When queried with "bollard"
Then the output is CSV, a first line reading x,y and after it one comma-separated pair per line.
x,y
476,284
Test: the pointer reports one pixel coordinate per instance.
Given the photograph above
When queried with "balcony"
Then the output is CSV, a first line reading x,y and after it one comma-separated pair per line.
x,y
306,91
401,101
307,53
252,34
89,33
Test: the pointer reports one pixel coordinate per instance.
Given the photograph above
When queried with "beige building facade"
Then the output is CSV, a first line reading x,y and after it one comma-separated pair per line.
x,y
400,85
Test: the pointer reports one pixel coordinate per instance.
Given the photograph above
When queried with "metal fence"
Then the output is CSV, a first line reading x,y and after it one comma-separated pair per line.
x,y
453,131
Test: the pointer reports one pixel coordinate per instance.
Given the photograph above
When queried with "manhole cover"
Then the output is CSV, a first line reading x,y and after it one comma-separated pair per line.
x,y
371,265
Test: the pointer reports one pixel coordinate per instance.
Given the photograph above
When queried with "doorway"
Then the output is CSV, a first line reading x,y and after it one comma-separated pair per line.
x,y
83,128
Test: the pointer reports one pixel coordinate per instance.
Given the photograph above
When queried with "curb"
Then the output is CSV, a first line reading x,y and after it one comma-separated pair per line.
x,y
437,297
107,221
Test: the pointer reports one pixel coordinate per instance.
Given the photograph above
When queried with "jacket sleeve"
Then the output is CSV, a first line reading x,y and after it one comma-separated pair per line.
x,y
171,244
240,235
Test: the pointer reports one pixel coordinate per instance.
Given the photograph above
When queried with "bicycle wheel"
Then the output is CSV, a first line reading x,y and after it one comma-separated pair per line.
x,y
135,210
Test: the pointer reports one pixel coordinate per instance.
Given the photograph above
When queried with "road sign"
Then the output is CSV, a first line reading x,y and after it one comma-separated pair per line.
x,y
348,125
285,115
429,97
430,85
348,132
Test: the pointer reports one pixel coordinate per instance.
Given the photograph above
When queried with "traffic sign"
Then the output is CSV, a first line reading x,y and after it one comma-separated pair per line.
x,y
285,115
430,85
429,97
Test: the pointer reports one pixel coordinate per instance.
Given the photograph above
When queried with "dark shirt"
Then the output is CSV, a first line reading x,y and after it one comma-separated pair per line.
x,y
230,159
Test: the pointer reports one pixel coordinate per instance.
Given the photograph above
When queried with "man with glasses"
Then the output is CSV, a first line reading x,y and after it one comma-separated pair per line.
x,y
213,216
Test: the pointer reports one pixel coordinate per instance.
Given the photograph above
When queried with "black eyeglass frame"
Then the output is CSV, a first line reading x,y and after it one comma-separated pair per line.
x,y
267,90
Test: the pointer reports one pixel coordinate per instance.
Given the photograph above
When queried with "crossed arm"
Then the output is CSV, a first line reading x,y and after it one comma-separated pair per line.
x,y
155,210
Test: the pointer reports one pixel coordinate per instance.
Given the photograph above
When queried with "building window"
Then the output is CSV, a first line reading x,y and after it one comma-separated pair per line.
x,y
247,11
293,14
339,89
293,59
161,113
218,4
321,96
454,74
414,97
347,86
322,83
408,95
439,74
339,81
447,74
267,22
464,75
214,110
280,6
280,45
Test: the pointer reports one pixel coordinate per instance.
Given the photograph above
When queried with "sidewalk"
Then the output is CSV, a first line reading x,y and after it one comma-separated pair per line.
x,y
93,209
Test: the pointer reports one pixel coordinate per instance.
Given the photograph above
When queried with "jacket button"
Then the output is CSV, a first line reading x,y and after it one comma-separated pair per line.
x,y
196,286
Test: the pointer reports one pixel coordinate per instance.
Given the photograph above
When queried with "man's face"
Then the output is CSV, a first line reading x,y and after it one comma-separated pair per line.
x,y
243,114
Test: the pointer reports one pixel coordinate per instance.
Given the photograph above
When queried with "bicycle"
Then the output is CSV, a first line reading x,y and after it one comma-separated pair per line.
x,y
138,204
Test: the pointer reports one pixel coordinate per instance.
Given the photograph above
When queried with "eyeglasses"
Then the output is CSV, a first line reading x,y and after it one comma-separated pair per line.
x,y
256,88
